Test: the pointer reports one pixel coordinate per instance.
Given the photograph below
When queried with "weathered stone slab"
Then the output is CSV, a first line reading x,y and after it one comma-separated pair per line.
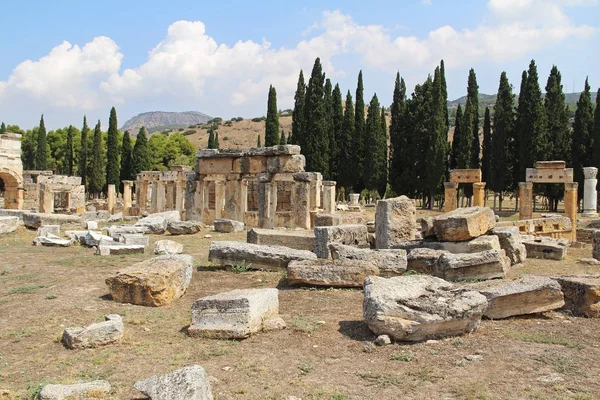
x,y
420,307
82,390
425,225
77,236
582,294
167,247
135,239
94,335
157,222
94,239
528,295
154,282
328,219
335,273
228,225
117,231
389,262
482,243
352,219
35,220
184,227
464,224
551,225
299,240
102,215
465,175
44,230
119,249
423,260
52,240
189,383
9,224
546,248
93,225
596,244
510,242
260,256
487,264
236,314
351,235
395,221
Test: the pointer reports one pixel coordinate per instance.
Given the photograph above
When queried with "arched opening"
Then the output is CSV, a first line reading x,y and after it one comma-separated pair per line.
x,y
11,190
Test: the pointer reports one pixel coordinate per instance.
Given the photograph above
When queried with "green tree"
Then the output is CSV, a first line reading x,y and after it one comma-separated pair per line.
x,y
337,120
298,113
359,134
457,137
472,121
328,126
41,156
258,141
112,151
272,122
211,137
398,136
28,148
141,158
375,174
69,156
217,140
2,128
518,165
96,177
282,139
444,91
346,177
486,157
583,127
596,134
126,159
83,152
316,147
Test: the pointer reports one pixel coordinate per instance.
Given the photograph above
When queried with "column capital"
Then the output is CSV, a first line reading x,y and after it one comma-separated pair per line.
x,y
571,186
590,172
451,185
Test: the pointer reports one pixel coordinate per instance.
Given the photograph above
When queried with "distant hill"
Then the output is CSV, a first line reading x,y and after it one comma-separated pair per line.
x,y
155,121
487,100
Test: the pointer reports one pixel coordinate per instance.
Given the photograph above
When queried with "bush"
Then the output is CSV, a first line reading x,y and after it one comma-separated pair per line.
x,y
180,129
238,119
189,132
259,119
228,123
225,137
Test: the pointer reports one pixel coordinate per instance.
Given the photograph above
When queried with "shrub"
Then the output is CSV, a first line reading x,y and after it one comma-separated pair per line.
x,y
241,267
228,123
189,132
225,137
238,119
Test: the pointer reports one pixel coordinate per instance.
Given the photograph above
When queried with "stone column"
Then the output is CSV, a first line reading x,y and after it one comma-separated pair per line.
x,y
329,197
525,200
179,196
354,201
244,200
20,197
302,204
169,187
154,197
273,204
479,194
127,194
264,204
315,193
571,207
160,196
111,198
590,196
219,198
46,199
450,200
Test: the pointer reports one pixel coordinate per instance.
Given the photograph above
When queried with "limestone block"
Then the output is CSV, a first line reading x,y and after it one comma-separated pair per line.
x,y
420,307
44,230
82,390
487,264
228,225
236,314
93,225
596,244
154,282
184,227
328,219
77,236
117,231
102,215
423,260
119,249
94,238
352,235
9,224
546,248
260,256
51,240
299,240
156,224
35,220
464,224
395,221
334,273
510,242
389,262
97,334
426,227
167,247
582,294
352,219
189,383
135,239
528,295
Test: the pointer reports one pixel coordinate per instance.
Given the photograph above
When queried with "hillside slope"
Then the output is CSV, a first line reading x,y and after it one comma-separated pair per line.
x,y
160,120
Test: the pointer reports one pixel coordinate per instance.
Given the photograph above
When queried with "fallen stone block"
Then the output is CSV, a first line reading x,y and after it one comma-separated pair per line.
x,y
82,390
425,225
116,217
582,294
464,224
51,240
35,220
395,221
9,224
352,219
93,239
189,383
157,222
14,213
119,249
94,335
546,248
299,240
167,247
154,282
77,236
102,215
184,227
420,307
510,242
528,295
389,262
487,264
135,239
328,219
596,244
236,314
423,260
333,273
44,230
266,257
352,235
91,225
228,225
117,231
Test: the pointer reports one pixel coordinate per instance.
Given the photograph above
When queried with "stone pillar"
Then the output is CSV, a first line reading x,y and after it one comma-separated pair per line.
x,y
46,199
525,200
169,187
273,204
450,199
479,194
111,198
354,201
265,192
141,194
590,196
20,197
315,193
127,194
219,198
160,196
329,197
154,197
571,207
244,200
179,197
302,204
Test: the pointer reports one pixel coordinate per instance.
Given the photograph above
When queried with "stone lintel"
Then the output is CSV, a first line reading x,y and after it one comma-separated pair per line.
x,y
549,175
465,175
550,164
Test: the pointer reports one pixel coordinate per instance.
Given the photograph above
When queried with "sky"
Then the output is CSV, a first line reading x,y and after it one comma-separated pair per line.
x,y
70,58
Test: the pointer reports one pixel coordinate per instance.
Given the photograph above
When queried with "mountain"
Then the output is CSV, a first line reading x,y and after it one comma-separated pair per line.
x,y
155,121
484,100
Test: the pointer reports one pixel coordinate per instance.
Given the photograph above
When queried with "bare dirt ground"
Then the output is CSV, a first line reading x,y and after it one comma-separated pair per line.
x,y
325,353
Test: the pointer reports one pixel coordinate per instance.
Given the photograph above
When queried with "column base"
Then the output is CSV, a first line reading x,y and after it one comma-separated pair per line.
x,y
589,213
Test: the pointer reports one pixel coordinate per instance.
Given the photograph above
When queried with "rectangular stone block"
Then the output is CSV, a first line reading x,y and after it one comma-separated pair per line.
x,y
119,249
465,175
464,224
390,262
511,242
582,294
332,273
35,220
423,260
44,230
259,256
549,175
135,239
117,231
98,334
546,248
488,264
10,224
352,235
328,219
395,221
299,240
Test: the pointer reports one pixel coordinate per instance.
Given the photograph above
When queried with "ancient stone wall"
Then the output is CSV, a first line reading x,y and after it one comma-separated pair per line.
x,y
11,170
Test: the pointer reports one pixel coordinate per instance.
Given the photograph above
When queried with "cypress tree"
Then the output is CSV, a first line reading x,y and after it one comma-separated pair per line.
x,y
217,140
289,138
337,120
444,91
96,177
456,138
398,136
519,165
141,159
359,133
272,122
316,145
486,158
346,176
112,151
298,113
375,151
504,121
211,137
69,151
126,159
596,134
41,155
329,135
2,128
472,121
384,150
83,152
258,141
583,127
282,139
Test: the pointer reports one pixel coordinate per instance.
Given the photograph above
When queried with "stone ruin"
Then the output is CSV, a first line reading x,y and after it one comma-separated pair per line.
x,y
49,193
463,176
157,191
11,170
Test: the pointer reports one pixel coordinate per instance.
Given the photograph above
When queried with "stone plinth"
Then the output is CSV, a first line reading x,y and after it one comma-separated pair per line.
x,y
571,207
479,194
395,221
590,195
354,201
329,197
111,198
525,200
451,201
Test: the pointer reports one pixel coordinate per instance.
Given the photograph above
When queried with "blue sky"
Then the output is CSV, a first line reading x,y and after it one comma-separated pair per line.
x,y
70,58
